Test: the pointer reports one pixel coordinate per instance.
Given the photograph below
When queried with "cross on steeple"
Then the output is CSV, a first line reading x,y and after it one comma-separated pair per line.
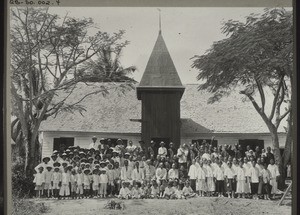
x,y
159,20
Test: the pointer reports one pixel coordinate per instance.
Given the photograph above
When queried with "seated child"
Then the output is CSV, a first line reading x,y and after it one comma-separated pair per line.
x,y
177,191
124,192
135,192
162,188
142,191
130,190
147,191
154,191
168,191
187,191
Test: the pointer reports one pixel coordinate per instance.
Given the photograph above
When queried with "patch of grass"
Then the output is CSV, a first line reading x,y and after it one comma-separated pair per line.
x,y
23,206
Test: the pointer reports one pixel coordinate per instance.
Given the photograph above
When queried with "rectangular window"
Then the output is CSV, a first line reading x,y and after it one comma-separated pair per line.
x,y
200,141
62,143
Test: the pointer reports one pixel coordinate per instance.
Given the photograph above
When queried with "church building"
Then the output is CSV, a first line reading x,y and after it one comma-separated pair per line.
x,y
159,109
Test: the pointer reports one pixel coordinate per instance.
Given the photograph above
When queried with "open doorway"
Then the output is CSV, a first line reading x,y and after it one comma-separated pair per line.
x,y
62,143
252,143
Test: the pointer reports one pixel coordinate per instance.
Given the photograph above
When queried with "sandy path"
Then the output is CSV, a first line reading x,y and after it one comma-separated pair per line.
x,y
195,206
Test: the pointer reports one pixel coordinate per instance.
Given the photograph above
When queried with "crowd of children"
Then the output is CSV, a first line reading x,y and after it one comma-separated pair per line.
x,y
199,169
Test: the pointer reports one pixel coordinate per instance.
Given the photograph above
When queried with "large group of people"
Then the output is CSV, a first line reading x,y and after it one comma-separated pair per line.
x,y
107,169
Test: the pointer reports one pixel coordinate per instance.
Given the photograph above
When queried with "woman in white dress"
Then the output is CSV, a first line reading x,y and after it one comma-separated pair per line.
x,y
273,168
241,180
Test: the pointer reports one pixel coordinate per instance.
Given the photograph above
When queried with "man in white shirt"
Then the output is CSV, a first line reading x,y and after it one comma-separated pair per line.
x,y
94,144
193,171
182,154
254,175
126,172
173,173
162,151
130,147
161,174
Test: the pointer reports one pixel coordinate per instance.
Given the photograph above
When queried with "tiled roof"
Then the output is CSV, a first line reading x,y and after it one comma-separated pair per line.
x,y
112,113
160,70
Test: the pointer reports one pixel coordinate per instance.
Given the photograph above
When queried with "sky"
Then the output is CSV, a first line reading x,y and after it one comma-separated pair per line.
x,y
187,31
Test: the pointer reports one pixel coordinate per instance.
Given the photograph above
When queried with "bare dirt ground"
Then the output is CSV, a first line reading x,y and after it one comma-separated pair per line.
x,y
195,206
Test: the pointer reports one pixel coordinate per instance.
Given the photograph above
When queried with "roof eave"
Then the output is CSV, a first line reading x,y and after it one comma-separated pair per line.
x,y
140,89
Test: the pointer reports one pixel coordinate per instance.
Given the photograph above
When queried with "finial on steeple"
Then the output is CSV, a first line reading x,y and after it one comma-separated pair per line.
x,y
159,21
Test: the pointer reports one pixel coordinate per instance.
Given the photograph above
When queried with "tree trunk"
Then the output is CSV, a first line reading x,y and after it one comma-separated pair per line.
x,y
278,159
288,143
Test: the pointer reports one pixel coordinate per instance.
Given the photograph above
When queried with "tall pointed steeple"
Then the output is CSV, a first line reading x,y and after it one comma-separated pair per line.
x,y
160,92
160,70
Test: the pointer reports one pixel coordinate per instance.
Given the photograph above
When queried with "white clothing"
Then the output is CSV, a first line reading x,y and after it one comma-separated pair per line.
x,y
173,174
229,173
182,155
161,173
193,171
126,173
162,151
39,179
201,173
138,175
254,174
219,173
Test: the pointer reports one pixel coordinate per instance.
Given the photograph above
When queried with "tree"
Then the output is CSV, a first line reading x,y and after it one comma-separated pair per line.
x,y
256,56
49,56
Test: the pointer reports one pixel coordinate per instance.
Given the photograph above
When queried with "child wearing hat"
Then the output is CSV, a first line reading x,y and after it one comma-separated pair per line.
x,y
86,182
117,178
39,180
95,180
73,187
47,185
64,191
103,180
79,183
55,180
44,164
110,176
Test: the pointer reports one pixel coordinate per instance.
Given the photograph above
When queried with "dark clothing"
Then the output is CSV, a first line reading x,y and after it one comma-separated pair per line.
x,y
220,186
266,188
254,188
269,157
193,184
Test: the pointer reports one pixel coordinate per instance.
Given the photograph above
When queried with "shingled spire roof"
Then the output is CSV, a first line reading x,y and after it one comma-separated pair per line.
x,y
160,70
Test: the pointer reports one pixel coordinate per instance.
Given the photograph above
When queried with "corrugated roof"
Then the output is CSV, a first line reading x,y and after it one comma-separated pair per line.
x,y
160,70
112,113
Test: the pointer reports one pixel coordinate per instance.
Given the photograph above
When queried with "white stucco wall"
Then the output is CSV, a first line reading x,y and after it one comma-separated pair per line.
x,y
231,139
83,139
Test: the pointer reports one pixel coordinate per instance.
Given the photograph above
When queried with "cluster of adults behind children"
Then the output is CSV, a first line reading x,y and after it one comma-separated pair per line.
x,y
105,169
